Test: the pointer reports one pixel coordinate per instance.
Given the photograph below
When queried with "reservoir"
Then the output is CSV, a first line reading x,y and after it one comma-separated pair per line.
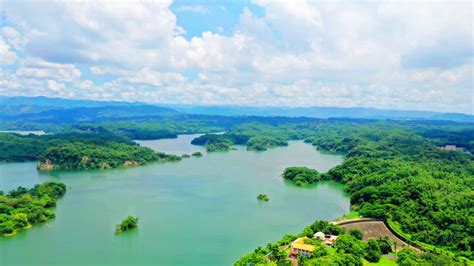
x,y
200,211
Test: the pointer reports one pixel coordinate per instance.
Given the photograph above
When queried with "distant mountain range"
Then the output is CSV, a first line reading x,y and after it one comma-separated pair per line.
x,y
325,112
59,102
85,110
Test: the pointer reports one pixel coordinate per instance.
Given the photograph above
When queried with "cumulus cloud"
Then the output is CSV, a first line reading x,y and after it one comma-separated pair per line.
x,y
7,56
153,78
40,69
410,55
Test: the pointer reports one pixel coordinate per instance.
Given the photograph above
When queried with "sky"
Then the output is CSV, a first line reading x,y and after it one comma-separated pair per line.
x,y
415,55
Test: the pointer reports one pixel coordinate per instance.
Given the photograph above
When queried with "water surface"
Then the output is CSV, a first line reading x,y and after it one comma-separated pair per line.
x,y
179,146
200,211
24,132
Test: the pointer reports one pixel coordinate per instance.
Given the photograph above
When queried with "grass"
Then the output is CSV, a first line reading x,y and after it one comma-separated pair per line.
x,y
351,215
384,261
397,228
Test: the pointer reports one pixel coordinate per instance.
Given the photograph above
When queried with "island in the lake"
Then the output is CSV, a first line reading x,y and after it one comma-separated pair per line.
x,y
21,208
393,170
263,197
301,175
81,156
128,223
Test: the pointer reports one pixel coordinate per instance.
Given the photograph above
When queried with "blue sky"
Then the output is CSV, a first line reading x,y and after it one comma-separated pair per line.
x,y
395,55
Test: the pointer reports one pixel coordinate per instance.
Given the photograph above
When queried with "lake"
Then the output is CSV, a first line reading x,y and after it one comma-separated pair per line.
x,y
200,211
24,132
179,146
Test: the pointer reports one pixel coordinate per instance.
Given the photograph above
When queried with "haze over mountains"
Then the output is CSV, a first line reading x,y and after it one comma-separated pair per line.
x,y
48,108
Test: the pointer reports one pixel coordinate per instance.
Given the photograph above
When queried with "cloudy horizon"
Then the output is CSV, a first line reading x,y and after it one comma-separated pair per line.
x,y
386,55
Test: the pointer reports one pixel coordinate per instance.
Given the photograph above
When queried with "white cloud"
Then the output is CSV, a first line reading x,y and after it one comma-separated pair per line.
x,y
37,68
13,37
7,56
154,78
194,9
388,55
55,86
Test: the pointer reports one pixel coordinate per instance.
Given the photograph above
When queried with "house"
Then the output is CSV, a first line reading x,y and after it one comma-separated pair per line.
x,y
293,254
320,236
298,246
329,240
452,148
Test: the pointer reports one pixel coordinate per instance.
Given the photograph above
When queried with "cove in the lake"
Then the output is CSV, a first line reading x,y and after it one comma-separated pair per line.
x,y
200,211
179,146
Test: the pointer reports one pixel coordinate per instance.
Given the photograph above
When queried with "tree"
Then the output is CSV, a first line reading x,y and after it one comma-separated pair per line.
x,y
22,207
349,244
20,220
372,251
385,245
263,197
301,175
357,233
128,223
319,250
407,257
277,254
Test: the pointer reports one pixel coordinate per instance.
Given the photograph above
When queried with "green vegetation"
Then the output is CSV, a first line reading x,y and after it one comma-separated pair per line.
x,y
357,233
90,156
263,197
351,215
403,177
159,128
372,251
220,142
18,148
347,250
77,150
22,207
385,245
384,261
197,154
393,170
258,136
260,143
393,173
301,175
408,257
128,223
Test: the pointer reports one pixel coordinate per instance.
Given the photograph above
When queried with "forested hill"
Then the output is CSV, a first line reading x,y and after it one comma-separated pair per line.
x,y
324,112
23,105
59,102
84,114
397,175
402,177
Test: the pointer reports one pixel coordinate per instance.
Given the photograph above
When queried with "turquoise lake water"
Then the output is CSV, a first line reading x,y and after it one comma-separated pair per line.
x,y
200,211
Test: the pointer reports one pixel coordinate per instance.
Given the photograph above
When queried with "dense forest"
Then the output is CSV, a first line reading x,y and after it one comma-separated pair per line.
x,y
396,172
301,175
80,156
258,136
77,150
348,249
18,148
404,178
22,207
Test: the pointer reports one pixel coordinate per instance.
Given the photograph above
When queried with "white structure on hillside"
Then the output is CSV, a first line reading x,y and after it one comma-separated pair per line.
x,y
319,235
